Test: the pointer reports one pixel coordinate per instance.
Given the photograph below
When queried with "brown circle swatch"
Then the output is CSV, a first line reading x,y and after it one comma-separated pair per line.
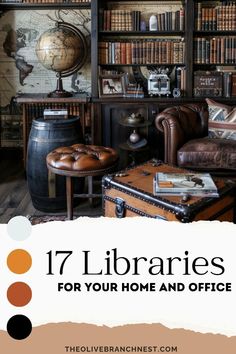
x,y
19,261
19,294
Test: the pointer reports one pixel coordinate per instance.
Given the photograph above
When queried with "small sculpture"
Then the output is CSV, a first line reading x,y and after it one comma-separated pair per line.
x,y
135,118
134,137
159,82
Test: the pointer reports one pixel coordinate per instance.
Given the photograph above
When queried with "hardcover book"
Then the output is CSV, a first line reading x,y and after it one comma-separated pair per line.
x,y
233,85
55,113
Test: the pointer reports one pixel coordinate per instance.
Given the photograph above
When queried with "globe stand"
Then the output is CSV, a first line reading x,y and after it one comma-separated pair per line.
x,y
59,92
54,57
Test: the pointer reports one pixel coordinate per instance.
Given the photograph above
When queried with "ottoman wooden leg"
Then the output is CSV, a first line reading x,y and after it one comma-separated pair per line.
x,y
69,197
90,189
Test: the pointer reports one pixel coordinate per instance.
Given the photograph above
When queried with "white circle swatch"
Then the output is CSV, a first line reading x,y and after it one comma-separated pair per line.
x,y
19,228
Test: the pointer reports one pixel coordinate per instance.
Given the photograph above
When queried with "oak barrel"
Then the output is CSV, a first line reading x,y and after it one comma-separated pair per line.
x,y
49,193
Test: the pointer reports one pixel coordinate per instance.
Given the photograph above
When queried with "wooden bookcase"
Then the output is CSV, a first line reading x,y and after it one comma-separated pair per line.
x,y
166,38
107,109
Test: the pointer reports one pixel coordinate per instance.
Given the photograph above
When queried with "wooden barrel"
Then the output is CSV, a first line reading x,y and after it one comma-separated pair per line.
x,y
48,192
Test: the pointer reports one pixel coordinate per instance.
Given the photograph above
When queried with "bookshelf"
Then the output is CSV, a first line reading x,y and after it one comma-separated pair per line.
x,y
124,42
204,39
191,37
214,45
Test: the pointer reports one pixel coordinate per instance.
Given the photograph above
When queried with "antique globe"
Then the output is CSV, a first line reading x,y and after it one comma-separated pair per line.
x,y
62,49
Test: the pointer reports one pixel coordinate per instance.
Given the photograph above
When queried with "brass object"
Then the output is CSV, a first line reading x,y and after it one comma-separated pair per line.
x,y
121,174
134,118
185,198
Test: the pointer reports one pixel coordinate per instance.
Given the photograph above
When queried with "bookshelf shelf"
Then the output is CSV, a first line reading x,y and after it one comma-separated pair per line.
x,y
156,100
27,6
212,65
145,64
149,1
215,33
142,33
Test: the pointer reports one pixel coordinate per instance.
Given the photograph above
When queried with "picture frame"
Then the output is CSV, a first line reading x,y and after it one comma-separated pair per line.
x,y
112,85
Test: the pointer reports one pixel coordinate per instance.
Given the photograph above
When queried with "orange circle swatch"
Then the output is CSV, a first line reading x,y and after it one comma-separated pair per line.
x,y
19,294
19,261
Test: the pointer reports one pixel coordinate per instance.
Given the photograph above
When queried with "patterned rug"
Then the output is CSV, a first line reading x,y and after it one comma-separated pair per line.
x,y
40,219
46,218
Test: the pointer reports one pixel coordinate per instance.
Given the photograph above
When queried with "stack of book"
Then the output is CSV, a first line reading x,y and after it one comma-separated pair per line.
x,y
55,113
134,91
194,184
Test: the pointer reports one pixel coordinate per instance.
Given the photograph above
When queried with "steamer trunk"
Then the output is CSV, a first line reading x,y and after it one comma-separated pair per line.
x,y
130,193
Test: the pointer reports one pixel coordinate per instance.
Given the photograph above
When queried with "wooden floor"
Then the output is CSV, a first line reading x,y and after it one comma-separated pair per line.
x,y
15,198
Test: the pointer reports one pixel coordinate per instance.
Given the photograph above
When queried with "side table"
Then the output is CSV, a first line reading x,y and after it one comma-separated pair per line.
x,y
136,144
34,104
133,152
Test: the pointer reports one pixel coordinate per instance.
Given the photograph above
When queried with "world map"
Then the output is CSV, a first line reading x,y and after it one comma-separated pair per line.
x,y
20,70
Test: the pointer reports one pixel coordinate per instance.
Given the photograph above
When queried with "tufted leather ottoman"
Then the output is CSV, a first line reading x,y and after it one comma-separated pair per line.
x,y
81,160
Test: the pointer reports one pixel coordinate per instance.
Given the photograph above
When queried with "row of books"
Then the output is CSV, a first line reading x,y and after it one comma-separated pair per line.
x,y
120,20
229,84
11,130
146,51
180,80
171,20
221,17
125,20
217,50
37,109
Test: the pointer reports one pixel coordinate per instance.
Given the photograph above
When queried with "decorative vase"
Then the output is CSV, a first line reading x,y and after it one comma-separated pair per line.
x,y
153,23
134,137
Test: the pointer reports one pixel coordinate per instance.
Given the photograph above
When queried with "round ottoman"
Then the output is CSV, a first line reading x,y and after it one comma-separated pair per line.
x,y
81,160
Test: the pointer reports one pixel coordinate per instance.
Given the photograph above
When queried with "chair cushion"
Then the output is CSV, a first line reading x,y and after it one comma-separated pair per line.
x,y
82,158
207,154
222,120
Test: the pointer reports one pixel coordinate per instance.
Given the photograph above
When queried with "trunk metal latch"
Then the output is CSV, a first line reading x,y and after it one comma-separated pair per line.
x,y
120,208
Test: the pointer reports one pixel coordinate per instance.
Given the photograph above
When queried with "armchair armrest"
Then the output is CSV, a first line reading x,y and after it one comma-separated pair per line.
x,y
180,124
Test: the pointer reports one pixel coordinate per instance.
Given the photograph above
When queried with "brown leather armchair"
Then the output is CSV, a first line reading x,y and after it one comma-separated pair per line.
x,y
186,141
